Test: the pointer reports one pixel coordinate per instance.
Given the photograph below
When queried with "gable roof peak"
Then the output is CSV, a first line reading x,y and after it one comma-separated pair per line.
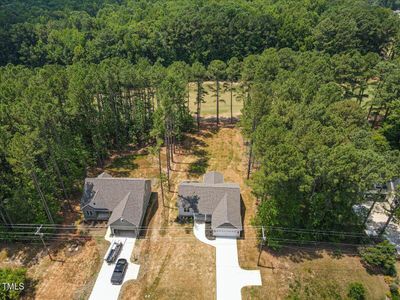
x,y
104,175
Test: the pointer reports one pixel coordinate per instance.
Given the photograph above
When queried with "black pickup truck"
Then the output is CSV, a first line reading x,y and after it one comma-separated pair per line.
x,y
119,271
115,250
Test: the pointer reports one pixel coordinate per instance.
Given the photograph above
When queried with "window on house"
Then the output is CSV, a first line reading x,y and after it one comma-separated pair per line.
x,y
186,209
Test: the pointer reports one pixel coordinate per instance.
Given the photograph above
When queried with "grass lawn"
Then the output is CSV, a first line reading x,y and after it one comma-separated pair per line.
x,y
209,108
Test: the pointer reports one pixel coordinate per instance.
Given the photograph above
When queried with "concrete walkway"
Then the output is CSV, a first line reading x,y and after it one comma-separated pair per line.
x,y
230,277
103,289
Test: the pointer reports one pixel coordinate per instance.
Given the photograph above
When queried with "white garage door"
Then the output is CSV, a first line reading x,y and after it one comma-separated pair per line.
x,y
226,233
125,233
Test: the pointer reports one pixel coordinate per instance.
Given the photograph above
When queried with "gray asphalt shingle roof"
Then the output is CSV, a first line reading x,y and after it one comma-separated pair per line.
x,y
213,177
123,196
221,200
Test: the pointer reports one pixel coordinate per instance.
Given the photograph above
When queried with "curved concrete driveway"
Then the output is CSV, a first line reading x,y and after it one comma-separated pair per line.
x,y
103,289
230,277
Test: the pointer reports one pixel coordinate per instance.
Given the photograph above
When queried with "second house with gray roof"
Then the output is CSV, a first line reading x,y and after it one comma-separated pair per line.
x,y
120,201
215,201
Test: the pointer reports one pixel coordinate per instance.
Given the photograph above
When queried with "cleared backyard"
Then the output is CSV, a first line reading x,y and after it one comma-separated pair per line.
x,y
173,263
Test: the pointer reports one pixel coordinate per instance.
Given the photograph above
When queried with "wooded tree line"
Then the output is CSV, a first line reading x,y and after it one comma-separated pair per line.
x,y
313,151
56,121
35,33
80,80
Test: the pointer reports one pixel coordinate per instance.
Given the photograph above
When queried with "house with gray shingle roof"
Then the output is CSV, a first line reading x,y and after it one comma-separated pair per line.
x,y
214,201
120,201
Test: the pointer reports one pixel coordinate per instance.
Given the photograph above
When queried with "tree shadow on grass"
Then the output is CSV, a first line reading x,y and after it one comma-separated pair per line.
x,y
123,165
306,252
150,213
191,143
126,162
199,167
30,288
196,147
27,253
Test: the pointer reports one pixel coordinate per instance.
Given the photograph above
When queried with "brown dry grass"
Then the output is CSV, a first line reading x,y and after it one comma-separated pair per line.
x,y
175,265
312,274
69,276
73,276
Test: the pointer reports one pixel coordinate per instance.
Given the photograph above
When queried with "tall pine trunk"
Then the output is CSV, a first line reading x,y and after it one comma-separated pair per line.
x,y
167,148
60,179
171,145
250,159
188,96
161,176
376,198
217,101
41,195
5,217
375,119
231,88
198,104
390,218
386,113
369,111
249,164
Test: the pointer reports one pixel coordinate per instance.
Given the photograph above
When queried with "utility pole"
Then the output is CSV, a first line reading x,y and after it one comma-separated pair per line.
x,y
262,243
40,234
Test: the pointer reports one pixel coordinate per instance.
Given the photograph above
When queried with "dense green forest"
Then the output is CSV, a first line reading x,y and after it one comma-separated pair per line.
x,y
319,81
36,33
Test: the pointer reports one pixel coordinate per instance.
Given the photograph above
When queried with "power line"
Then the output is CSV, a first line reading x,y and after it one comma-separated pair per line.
x,y
278,228
61,236
98,234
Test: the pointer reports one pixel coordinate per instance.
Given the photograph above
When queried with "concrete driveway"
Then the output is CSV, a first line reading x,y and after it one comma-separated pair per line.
x,y
103,289
230,277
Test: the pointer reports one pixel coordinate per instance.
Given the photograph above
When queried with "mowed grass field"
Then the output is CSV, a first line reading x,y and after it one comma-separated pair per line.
x,y
209,108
